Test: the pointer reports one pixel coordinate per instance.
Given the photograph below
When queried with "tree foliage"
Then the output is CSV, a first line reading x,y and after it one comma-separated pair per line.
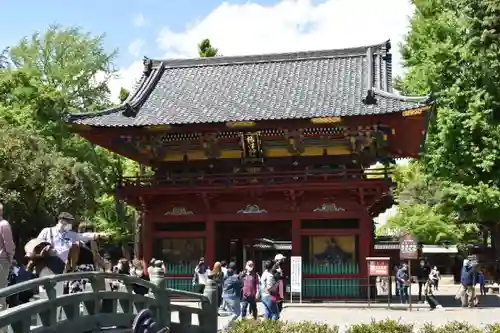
x,y
36,181
423,209
43,78
206,50
452,49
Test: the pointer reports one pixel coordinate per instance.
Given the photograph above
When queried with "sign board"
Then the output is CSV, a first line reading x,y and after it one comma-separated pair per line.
x,y
296,274
378,266
408,248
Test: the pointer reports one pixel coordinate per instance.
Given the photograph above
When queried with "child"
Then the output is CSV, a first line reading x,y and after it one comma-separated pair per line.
x,y
482,282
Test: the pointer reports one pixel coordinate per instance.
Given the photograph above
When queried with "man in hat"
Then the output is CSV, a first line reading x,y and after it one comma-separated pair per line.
x,y
62,237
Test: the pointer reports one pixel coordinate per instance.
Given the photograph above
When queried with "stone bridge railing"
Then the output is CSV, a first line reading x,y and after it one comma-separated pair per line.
x,y
102,309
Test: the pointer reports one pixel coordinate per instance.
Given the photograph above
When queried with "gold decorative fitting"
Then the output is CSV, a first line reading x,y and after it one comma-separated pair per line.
x,y
233,124
179,211
157,128
252,209
329,207
326,120
416,112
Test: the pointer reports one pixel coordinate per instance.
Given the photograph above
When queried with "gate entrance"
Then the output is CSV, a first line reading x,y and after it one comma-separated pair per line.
x,y
257,241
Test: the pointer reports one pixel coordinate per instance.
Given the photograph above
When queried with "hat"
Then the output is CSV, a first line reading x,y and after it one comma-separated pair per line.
x,y
65,216
30,247
279,256
232,265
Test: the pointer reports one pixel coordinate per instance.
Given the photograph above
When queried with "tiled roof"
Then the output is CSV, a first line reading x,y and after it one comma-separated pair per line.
x,y
347,82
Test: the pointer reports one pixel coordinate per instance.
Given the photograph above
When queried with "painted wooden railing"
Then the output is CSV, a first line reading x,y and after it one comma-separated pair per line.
x,y
100,308
257,178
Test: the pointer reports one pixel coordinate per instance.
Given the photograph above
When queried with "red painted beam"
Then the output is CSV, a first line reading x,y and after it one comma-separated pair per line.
x,y
134,191
264,217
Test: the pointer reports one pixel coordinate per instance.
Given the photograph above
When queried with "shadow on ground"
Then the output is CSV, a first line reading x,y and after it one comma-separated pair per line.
x,y
449,301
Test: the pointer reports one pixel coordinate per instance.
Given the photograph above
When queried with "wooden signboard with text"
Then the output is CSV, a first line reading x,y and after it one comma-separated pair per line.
x,y
408,248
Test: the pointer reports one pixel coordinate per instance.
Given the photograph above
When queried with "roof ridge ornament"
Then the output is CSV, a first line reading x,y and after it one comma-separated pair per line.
x,y
129,111
148,66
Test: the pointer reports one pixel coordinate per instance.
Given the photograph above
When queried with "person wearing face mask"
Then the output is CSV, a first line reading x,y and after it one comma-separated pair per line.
x,y
250,280
422,276
61,236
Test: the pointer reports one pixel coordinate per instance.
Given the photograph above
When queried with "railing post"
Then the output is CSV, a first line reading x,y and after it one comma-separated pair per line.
x,y
210,313
158,278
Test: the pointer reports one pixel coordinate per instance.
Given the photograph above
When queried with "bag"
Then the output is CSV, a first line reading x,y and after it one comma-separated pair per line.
x,y
460,292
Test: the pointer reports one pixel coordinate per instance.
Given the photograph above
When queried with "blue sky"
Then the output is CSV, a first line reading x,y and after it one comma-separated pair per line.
x,y
117,19
172,29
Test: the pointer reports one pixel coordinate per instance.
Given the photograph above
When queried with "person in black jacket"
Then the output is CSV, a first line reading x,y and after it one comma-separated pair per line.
x,y
422,275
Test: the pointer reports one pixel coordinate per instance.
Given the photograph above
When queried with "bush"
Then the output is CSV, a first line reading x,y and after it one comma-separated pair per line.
x,y
384,326
451,327
268,326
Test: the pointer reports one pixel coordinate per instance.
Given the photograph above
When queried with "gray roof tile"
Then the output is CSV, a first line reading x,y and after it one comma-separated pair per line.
x,y
275,86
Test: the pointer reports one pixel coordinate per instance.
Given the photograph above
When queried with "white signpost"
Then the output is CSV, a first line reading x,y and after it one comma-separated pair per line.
x,y
295,277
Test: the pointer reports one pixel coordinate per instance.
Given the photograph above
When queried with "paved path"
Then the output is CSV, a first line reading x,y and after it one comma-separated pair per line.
x,y
343,318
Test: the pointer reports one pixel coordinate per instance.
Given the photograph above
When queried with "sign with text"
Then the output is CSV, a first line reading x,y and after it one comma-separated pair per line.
x,y
408,248
296,274
378,266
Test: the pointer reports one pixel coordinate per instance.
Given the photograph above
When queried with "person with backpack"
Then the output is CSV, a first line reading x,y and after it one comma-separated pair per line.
x,y
250,294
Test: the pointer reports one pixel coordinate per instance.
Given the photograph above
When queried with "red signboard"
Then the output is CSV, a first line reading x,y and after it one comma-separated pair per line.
x,y
378,266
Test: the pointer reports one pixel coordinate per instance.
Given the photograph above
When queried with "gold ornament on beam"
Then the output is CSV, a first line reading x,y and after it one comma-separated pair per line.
x,y
251,145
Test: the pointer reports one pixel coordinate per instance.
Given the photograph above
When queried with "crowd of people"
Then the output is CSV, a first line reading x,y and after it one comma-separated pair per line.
x,y
60,249
428,281
56,250
240,290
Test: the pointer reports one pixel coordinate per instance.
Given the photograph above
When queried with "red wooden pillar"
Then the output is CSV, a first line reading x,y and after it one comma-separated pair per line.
x,y
365,240
296,237
147,239
210,240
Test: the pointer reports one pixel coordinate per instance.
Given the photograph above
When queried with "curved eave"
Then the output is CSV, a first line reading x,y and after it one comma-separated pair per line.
x,y
131,105
424,100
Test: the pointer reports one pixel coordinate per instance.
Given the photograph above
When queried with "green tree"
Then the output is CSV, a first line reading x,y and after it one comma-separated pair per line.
x,y
37,181
124,93
206,50
452,49
423,209
48,75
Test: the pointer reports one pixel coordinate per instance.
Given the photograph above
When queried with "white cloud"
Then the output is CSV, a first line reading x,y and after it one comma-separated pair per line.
x,y
293,25
125,78
290,25
135,48
140,20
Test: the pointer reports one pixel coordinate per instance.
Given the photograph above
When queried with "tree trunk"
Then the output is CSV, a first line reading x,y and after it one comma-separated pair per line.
x,y
138,223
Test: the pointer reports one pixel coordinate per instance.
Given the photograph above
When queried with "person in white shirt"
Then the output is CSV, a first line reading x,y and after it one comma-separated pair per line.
x,y
435,277
200,277
61,237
